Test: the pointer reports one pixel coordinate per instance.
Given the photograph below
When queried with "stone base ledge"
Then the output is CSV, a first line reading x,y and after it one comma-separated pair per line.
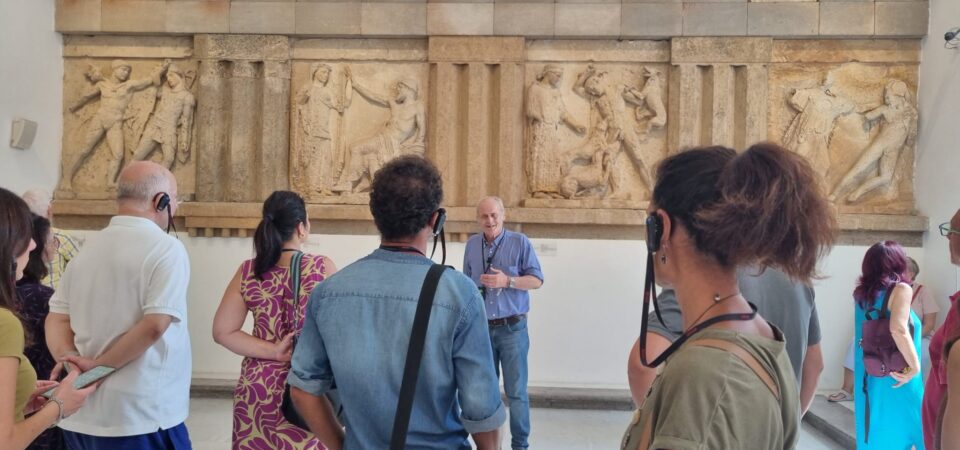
x,y
202,219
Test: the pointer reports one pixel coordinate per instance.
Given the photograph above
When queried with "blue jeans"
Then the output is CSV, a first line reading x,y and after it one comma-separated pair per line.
x,y
175,438
511,343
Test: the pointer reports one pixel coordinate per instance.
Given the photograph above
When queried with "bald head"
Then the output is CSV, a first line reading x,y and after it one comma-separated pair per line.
x,y
490,216
141,181
39,202
955,239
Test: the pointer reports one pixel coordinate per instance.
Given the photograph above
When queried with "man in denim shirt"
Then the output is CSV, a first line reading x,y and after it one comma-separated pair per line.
x,y
504,267
357,330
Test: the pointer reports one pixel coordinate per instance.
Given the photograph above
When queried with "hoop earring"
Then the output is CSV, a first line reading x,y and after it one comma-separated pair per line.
x,y
663,258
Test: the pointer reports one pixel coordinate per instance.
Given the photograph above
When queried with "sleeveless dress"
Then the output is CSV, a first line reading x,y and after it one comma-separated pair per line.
x,y
894,413
258,423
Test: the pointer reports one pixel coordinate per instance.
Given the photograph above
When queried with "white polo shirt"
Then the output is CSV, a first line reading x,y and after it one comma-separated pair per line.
x,y
127,270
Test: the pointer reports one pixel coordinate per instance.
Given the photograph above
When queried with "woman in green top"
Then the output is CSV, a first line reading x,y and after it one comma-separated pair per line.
x,y
19,389
729,383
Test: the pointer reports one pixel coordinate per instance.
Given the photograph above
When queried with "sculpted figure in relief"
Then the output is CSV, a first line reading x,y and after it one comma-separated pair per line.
x,y
171,124
648,100
810,131
115,94
403,133
315,103
546,113
611,130
897,118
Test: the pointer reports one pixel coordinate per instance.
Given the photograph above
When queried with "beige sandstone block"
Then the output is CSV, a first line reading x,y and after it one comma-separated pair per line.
x,y
783,19
588,1
846,1
231,47
847,50
77,16
598,50
715,19
902,18
459,19
846,19
475,49
587,20
248,17
136,16
721,50
393,19
676,1
524,19
328,19
362,49
113,46
651,20
206,16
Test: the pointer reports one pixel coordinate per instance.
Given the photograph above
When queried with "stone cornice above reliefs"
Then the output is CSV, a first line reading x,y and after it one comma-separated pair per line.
x,y
844,51
414,50
130,47
598,51
245,47
740,50
240,219
476,49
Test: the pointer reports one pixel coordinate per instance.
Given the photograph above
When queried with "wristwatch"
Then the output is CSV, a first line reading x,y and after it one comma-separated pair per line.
x,y
512,283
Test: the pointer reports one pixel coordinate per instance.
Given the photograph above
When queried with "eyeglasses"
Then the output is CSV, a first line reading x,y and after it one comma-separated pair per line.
x,y
945,229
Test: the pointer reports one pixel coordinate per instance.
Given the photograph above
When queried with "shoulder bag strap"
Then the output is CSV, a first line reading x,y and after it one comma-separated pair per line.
x,y
295,288
411,369
886,300
751,361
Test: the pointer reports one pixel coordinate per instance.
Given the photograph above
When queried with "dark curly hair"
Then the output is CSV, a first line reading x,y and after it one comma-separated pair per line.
x,y
405,193
36,268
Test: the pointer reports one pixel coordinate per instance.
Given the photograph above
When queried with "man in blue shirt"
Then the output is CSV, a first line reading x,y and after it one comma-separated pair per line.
x,y
504,267
358,324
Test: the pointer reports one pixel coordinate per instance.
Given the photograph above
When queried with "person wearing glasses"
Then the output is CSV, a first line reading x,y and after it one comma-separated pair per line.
x,y
935,391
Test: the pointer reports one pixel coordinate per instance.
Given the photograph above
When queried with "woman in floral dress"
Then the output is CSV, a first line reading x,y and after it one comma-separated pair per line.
x,y
262,286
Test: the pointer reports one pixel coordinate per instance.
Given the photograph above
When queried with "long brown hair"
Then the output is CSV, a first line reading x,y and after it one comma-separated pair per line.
x,y
763,206
15,233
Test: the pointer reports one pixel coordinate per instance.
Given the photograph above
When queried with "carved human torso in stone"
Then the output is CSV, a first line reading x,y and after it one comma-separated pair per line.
x,y
545,109
809,133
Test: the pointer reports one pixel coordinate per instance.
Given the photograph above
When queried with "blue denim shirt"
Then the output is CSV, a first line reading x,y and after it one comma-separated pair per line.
x,y
514,255
356,334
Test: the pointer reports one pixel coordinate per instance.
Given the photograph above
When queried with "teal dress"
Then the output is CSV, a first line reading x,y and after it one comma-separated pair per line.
x,y
895,422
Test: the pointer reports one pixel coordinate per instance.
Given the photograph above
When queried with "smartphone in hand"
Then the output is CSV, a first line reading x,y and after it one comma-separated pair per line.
x,y
87,378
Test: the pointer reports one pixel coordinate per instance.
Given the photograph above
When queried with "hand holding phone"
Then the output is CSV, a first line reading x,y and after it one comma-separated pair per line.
x,y
87,378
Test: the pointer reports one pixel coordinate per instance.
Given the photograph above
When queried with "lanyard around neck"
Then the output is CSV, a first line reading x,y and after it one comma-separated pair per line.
x,y
488,261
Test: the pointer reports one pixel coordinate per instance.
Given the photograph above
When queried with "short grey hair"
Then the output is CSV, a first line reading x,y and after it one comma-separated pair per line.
x,y
38,200
496,199
143,189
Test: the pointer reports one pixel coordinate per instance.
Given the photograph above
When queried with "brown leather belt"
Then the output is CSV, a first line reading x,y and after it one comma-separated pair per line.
x,y
506,320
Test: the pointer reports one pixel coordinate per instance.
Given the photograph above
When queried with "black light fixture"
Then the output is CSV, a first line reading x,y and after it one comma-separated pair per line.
x,y
952,38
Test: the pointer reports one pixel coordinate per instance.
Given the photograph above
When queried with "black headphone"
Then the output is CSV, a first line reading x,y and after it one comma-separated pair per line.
x,y
441,220
438,233
162,202
654,232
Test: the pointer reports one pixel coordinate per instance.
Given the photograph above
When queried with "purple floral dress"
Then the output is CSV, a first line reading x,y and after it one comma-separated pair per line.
x,y
258,423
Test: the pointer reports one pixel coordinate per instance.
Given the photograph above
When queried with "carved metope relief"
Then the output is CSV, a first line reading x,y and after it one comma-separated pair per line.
x,y
856,124
120,107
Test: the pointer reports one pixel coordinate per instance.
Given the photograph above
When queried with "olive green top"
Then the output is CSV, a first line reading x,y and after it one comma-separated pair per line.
x,y
710,398
11,345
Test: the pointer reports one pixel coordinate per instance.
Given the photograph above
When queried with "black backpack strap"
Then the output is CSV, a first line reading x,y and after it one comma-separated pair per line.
x,y
411,369
866,412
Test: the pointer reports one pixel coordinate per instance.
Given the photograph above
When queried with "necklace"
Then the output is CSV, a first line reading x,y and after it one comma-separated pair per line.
x,y
717,299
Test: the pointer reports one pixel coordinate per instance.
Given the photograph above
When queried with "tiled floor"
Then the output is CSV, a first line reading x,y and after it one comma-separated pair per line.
x,y
553,429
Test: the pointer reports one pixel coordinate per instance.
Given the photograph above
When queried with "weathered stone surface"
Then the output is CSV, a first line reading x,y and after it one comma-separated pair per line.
x,y
902,18
846,19
459,19
393,19
205,16
588,20
133,16
493,49
783,19
721,50
841,51
524,19
715,19
651,20
598,50
259,17
77,16
127,46
328,19
361,49
258,47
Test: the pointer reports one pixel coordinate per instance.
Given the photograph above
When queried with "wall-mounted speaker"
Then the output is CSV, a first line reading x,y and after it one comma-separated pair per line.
x,y
22,134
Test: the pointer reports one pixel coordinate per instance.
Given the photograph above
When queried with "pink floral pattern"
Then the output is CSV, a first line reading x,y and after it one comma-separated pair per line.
x,y
258,423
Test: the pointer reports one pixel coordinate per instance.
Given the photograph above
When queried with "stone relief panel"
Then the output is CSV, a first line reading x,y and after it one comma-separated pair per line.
x,y
593,133
857,125
348,119
117,111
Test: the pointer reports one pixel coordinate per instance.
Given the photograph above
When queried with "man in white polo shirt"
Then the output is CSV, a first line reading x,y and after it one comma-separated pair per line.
x,y
123,303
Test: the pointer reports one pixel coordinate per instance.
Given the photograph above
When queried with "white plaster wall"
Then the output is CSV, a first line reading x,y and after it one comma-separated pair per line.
x,y
31,72
938,153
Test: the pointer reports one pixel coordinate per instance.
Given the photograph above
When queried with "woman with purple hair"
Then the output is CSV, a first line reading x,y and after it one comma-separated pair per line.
x,y
888,411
